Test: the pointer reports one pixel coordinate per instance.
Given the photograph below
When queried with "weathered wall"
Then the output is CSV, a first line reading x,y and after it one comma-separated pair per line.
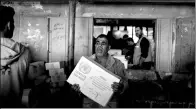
x,y
165,16
33,26
37,10
185,45
134,11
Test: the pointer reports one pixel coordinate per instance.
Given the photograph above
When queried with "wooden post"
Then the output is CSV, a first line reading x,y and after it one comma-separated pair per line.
x,y
71,30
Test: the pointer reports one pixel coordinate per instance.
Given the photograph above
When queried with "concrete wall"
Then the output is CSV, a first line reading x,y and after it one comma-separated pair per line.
x,y
37,10
134,11
32,26
165,16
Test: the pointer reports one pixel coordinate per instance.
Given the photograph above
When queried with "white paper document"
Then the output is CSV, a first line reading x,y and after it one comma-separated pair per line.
x,y
94,80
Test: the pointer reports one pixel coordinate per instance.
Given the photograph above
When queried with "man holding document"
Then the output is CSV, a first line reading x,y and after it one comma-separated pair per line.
x,y
101,56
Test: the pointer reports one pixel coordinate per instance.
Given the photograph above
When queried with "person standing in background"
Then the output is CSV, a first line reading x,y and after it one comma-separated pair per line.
x,y
142,57
130,50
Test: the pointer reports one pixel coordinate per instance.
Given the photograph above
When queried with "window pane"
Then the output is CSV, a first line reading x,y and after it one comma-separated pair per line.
x,y
144,31
135,38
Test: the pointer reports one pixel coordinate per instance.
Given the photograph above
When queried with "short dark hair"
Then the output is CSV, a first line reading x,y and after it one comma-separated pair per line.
x,y
130,39
139,27
7,15
125,36
104,36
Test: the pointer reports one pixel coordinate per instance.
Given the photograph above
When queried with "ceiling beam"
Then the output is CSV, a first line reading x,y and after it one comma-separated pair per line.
x,y
141,1
105,1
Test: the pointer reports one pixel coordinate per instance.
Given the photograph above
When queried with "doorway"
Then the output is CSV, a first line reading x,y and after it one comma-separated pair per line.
x,y
118,27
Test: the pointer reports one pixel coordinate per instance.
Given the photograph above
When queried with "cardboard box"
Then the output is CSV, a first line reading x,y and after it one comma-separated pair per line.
x,y
94,80
58,78
56,71
57,75
55,65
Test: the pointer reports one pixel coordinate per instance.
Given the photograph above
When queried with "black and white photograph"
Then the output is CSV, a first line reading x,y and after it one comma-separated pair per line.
x,y
97,53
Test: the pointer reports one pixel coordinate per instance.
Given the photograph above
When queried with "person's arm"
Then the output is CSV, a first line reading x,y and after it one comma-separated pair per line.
x,y
76,89
144,47
123,85
124,81
144,50
24,63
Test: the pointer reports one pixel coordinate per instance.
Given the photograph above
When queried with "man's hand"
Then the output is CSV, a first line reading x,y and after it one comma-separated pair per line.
x,y
141,61
117,87
128,57
76,87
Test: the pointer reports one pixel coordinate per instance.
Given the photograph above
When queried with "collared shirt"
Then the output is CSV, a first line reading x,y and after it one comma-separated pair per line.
x,y
114,65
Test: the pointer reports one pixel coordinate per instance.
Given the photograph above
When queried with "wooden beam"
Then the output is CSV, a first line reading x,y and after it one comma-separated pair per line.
x,y
71,30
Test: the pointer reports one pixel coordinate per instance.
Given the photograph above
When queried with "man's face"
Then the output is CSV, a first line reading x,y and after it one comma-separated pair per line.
x,y
138,32
101,47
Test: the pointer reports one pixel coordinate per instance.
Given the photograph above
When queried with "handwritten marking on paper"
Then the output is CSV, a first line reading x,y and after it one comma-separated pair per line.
x,y
58,26
58,31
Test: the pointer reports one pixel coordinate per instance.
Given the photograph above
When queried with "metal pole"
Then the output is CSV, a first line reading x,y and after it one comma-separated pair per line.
x,y
71,37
